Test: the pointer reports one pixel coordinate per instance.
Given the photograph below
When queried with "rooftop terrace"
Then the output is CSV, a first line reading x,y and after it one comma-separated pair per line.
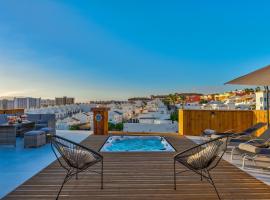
x,y
142,176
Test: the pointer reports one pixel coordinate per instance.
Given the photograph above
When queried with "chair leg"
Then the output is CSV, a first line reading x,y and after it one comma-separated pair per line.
x,y
77,172
174,175
63,183
101,174
233,149
243,161
212,182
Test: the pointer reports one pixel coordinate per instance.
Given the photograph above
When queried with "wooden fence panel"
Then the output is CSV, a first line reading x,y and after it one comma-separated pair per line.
x,y
193,122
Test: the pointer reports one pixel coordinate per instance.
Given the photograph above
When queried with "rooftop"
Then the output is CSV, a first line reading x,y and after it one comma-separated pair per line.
x,y
142,176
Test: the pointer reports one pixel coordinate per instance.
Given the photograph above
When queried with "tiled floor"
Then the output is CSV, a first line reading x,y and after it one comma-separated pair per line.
x,y
18,164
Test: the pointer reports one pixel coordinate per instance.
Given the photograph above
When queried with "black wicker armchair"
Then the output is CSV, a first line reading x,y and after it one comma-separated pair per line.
x,y
75,158
202,158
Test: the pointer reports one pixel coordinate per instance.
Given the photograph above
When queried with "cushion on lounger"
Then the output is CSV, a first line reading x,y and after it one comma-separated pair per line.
x,y
263,145
253,149
78,158
249,148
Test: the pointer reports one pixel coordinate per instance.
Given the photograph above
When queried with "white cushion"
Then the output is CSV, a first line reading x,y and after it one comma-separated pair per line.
x,y
253,149
249,148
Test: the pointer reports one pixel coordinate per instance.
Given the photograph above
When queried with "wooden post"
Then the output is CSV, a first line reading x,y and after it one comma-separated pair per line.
x,y
100,120
181,122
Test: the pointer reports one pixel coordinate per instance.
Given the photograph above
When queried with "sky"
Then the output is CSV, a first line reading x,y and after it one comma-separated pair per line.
x,y
104,49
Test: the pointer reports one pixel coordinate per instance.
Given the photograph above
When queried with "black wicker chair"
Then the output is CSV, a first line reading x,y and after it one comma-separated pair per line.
x,y
75,158
202,158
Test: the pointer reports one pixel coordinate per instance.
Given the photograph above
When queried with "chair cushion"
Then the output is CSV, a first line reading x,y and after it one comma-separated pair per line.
x,y
41,122
78,158
39,126
46,129
209,132
34,133
249,148
253,149
202,159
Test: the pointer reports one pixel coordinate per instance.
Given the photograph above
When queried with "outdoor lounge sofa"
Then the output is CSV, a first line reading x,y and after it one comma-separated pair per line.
x,y
21,128
7,135
44,122
202,158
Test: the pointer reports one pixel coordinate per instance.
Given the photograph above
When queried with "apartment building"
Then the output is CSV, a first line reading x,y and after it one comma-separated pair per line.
x,y
27,102
261,100
6,104
47,102
64,100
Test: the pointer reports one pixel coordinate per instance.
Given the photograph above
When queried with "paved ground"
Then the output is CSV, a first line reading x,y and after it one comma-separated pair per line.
x,y
19,164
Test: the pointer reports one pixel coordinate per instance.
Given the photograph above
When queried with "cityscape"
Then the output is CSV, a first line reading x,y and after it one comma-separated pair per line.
x,y
155,113
134,100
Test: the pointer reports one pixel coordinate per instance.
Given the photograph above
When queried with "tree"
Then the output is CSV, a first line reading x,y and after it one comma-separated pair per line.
x,y
173,99
203,101
257,89
115,127
174,116
183,100
74,127
249,90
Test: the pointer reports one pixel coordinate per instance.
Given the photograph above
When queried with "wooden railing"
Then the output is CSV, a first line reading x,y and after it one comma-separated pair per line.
x,y
193,122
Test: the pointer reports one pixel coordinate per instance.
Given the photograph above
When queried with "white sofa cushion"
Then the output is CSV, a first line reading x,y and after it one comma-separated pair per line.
x,y
249,148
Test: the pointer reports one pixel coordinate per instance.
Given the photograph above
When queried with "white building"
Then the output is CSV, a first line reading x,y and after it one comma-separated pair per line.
x,y
6,104
26,102
47,102
115,117
261,100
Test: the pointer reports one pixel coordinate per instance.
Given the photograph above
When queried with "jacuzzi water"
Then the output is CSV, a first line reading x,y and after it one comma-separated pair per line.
x,y
136,144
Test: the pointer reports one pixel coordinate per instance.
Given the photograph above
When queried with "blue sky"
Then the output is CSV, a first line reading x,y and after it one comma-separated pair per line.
x,y
119,49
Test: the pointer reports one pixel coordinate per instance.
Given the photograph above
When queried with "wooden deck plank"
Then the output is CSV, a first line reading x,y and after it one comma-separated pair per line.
x,y
143,176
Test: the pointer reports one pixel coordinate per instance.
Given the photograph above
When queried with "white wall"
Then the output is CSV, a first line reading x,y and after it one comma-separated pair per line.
x,y
139,127
261,100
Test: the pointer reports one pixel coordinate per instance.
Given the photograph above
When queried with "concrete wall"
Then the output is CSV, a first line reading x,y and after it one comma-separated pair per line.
x,y
139,127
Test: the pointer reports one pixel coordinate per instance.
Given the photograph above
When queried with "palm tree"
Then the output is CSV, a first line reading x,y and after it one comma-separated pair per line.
x,y
182,100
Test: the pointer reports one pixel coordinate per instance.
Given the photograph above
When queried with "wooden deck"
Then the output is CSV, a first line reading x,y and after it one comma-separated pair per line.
x,y
142,176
